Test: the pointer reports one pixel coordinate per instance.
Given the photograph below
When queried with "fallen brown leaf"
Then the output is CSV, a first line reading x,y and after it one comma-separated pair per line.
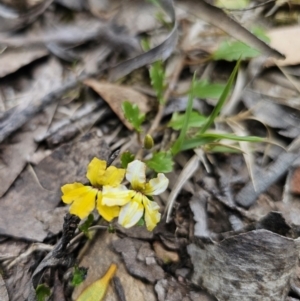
x,y
115,95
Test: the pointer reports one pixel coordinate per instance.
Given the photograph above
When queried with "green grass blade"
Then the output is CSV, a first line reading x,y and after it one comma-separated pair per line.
x,y
233,137
221,100
178,143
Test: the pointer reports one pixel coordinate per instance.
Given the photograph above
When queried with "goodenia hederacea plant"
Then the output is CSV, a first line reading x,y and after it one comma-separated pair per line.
x,y
135,202
83,198
112,199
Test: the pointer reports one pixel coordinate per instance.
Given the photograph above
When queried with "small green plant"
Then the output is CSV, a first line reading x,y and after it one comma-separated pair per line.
x,y
42,292
85,226
133,115
200,137
79,275
158,77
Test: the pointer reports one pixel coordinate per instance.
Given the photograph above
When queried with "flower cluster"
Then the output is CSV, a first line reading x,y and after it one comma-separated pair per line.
x,y
112,199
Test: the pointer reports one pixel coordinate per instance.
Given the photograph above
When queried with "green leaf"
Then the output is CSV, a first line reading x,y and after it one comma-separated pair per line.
x,y
208,138
157,76
192,143
178,143
218,148
141,222
205,89
221,100
161,162
85,226
145,44
42,292
260,33
132,114
234,50
79,275
233,137
126,158
196,120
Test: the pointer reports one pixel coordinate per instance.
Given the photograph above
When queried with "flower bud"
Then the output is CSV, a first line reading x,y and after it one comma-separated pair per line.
x,y
148,142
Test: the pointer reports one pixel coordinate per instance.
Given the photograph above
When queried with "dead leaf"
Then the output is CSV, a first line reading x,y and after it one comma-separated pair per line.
x,y
37,191
16,152
285,40
12,60
257,265
3,290
134,288
115,95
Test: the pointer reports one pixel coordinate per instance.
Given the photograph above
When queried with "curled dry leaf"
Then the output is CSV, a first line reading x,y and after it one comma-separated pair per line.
x,y
257,265
115,95
285,40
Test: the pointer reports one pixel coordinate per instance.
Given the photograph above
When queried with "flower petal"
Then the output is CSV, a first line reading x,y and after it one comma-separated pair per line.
x,y
108,213
157,185
116,196
72,195
130,214
95,170
113,176
152,215
136,174
69,187
84,205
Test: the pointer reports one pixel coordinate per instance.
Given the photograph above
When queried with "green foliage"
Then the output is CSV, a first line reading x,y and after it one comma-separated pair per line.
x,y
178,143
85,226
42,292
126,158
221,100
205,89
141,222
157,76
196,120
161,162
133,115
207,138
234,50
79,275
261,34
145,44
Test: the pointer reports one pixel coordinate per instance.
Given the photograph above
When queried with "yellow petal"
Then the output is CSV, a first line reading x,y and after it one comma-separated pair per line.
x,y
152,215
96,291
108,213
116,196
95,170
74,194
112,177
157,185
84,205
136,174
69,187
131,213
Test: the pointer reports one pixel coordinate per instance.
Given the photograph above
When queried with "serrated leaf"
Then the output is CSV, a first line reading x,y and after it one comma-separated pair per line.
x,y
196,120
157,76
79,275
133,115
161,162
126,158
234,50
85,226
42,292
221,100
205,89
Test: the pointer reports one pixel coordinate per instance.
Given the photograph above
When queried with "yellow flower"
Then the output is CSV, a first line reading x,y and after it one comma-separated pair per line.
x,y
135,202
83,197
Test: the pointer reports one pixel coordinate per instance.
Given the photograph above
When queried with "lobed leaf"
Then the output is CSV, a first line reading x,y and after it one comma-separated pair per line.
x,y
161,162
